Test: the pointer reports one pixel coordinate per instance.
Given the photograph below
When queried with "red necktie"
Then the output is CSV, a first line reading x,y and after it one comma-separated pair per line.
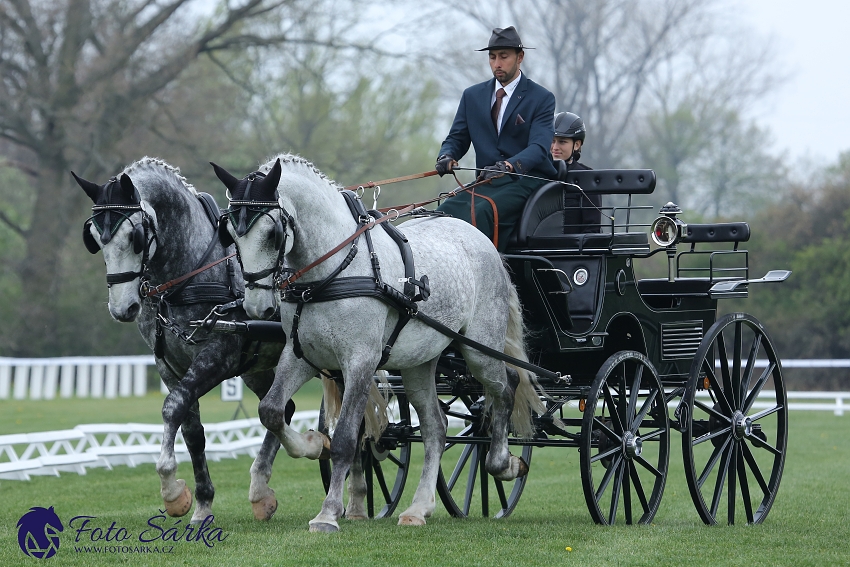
x,y
494,112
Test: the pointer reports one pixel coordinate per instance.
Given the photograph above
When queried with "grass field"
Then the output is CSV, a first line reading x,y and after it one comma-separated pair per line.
x,y
808,525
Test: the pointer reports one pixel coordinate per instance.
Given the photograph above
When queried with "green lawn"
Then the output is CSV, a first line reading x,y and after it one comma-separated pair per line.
x,y
808,525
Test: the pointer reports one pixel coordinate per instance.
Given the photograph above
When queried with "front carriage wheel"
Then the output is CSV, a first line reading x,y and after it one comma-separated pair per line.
x,y
734,437
468,487
625,442
385,462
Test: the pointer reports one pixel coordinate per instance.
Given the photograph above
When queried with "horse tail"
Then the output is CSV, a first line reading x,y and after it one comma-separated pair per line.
x,y
332,401
526,398
376,409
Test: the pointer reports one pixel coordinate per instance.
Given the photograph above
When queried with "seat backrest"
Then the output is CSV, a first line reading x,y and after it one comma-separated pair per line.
x,y
543,214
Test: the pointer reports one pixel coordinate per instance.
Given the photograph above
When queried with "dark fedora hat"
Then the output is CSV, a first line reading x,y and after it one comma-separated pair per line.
x,y
505,38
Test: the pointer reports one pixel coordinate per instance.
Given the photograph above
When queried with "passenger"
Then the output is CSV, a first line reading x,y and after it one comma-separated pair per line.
x,y
566,146
508,120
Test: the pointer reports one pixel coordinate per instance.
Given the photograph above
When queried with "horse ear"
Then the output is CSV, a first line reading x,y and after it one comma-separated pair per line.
x,y
228,180
127,186
91,189
272,179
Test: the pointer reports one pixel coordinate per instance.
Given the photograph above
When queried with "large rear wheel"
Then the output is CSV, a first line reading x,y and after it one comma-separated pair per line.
x,y
735,435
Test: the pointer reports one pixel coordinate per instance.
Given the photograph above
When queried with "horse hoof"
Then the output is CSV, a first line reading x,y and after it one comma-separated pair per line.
x,y
326,448
324,527
265,508
523,467
410,521
181,505
356,517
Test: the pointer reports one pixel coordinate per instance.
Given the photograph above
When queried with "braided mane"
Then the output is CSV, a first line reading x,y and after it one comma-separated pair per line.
x,y
293,159
156,165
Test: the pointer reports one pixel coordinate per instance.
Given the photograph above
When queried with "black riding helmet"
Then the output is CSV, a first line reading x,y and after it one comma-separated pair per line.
x,y
569,125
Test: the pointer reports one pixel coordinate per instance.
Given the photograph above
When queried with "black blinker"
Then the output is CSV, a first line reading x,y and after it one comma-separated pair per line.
x,y
138,238
279,234
224,236
88,239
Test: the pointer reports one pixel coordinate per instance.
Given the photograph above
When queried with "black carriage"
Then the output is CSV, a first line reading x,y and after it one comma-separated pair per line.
x,y
638,359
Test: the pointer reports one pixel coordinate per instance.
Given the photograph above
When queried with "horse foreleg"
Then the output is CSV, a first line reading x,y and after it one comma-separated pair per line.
x,y
175,494
345,447
420,388
260,494
290,375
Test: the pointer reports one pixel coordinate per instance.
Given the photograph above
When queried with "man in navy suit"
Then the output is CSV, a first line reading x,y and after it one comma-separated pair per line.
x,y
508,120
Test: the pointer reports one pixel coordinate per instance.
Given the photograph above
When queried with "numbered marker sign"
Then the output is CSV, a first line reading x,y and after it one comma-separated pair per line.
x,y
231,390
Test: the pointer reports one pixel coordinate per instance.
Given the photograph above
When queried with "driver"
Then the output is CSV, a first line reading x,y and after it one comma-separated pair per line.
x,y
581,213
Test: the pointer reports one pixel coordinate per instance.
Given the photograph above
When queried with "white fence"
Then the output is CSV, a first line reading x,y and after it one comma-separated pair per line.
x,y
108,444
74,376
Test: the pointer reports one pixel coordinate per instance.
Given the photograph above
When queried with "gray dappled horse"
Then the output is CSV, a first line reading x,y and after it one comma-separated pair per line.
x,y
152,227
290,215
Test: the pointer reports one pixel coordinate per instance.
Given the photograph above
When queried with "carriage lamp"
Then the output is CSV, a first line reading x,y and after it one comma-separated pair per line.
x,y
667,230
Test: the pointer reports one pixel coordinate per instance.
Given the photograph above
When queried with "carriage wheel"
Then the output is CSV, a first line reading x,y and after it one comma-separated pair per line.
x,y
734,441
625,442
468,484
385,462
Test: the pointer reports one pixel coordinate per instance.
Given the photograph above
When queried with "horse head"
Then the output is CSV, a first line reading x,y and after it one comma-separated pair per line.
x,y
127,246
262,231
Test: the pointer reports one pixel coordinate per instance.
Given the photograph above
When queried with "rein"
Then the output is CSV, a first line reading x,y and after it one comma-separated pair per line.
x,y
147,291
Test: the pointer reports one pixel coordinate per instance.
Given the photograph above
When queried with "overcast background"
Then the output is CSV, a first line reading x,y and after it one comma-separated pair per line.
x,y
809,115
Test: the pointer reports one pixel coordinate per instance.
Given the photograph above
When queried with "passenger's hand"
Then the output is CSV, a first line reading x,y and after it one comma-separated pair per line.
x,y
445,164
495,171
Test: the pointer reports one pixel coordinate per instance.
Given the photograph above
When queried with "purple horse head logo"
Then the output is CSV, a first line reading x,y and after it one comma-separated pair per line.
x,y
38,532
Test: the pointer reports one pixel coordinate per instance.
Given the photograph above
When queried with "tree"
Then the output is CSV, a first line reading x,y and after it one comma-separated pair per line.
x,y
76,76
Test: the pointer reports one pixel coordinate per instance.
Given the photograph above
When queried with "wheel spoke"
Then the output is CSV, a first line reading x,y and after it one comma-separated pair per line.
x,y
725,376
730,511
750,368
653,434
745,488
765,412
604,455
395,460
716,389
379,474
712,411
712,435
463,433
764,445
648,466
612,407
721,480
627,493
641,494
647,405
711,462
609,474
735,377
500,490
633,396
615,494
754,467
751,398
464,457
606,430
470,482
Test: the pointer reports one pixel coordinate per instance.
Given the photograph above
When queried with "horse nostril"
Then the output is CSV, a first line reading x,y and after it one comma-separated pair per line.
x,y
133,310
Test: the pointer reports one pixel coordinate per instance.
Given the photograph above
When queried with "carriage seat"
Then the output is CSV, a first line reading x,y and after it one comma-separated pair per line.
x,y
541,225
